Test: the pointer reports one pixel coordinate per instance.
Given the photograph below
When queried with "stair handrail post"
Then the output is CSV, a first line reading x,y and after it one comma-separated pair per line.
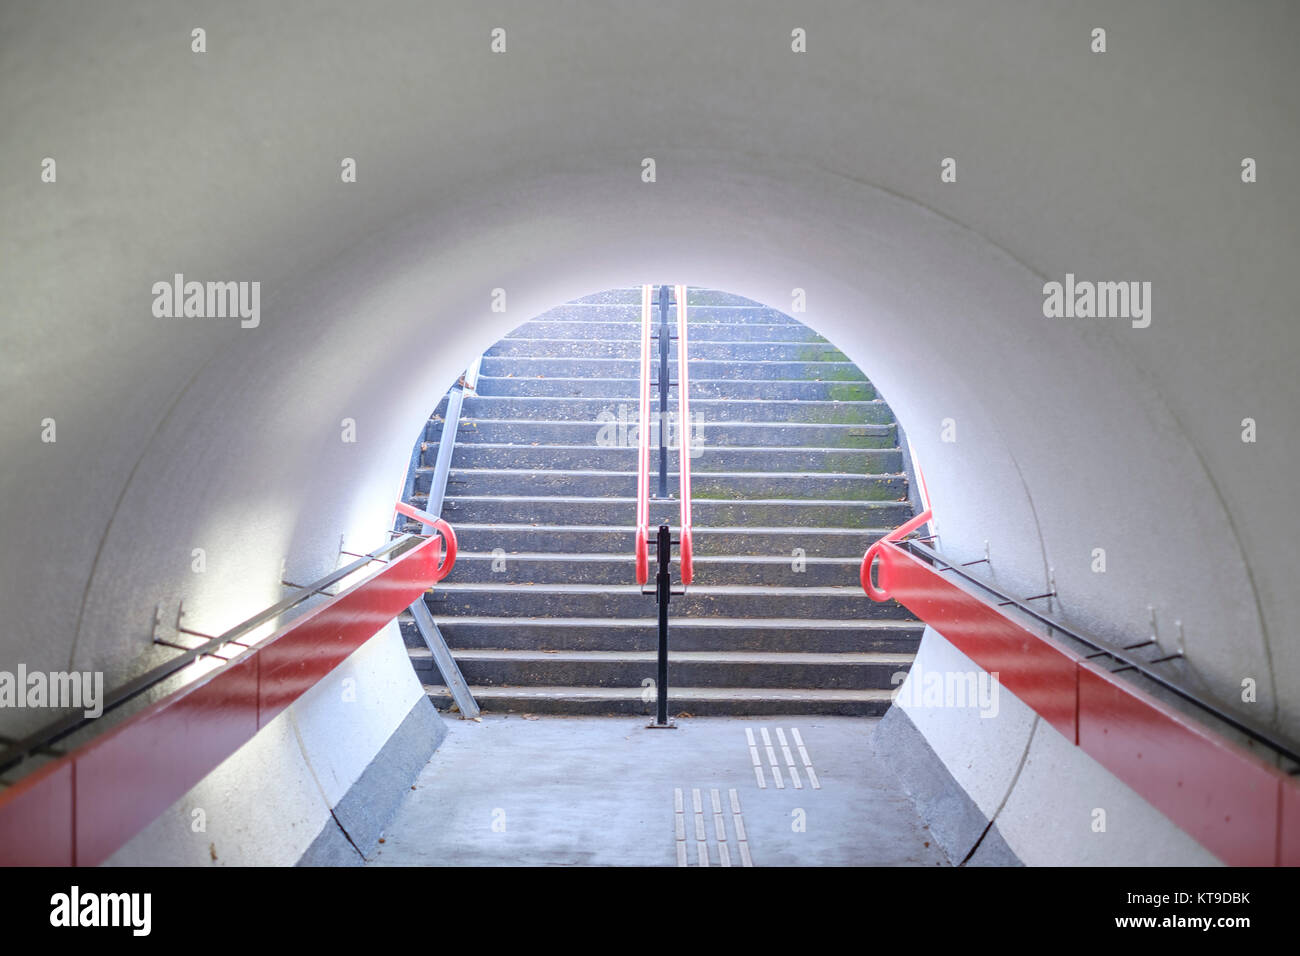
x,y
663,592
663,588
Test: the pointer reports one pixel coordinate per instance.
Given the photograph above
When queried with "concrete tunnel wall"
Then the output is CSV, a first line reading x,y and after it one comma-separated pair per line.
x,y
775,170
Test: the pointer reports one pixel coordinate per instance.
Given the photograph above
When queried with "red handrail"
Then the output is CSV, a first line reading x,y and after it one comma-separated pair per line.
x,y
643,449
81,807
1239,806
439,525
684,434
882,593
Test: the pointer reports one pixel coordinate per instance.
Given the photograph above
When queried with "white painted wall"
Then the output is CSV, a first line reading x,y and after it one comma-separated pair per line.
x,y
1041,791
266,803
775,170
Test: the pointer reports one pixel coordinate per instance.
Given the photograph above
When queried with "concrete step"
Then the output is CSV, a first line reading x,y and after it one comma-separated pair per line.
x,y
704,436
809,635
695,296
754,669
707,485
521,367
603,600
732,459
708,513
628,387
696,331
555,408
692,701
516,537
564,568
700,351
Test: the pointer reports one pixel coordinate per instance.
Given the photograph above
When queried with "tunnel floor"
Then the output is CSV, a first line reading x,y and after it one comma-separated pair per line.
x,y
514,790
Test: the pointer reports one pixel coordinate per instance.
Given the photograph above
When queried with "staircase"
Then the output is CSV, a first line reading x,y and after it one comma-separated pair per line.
x,y
799,472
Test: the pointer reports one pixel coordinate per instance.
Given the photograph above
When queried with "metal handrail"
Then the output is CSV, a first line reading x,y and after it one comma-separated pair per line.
x,y
1123,655
45,737
684,437
430,521
643,449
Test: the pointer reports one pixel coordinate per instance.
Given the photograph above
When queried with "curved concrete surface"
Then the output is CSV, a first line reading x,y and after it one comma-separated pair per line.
x,y
775,171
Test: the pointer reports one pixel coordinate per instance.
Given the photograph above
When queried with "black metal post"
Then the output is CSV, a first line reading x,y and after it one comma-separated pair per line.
x,y
663,591
664,541
665,337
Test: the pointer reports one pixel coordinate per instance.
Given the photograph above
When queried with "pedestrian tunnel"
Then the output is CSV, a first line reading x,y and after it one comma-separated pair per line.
x,y
1115,475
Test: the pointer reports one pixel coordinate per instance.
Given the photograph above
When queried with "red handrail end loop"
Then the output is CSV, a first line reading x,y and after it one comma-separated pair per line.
x,y
443,528
876,594
881,593
448,559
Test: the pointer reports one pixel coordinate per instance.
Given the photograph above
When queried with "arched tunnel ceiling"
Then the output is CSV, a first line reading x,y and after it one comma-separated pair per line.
x,y
522,171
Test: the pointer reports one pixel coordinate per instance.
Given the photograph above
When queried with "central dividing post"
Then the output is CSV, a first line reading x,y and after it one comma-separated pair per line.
x,y
663,541
663,590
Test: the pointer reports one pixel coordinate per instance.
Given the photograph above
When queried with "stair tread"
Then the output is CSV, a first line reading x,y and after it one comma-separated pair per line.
x,y
730,448
695,379
631,528
681,657
590,472
882,426
850,402
698,559
553,499
700,589
603,341
696,622
544,692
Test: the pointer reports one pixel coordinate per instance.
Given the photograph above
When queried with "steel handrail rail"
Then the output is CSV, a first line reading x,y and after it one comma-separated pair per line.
x,y
44,737
1262,735
1130,661
643,448
684,437
425,625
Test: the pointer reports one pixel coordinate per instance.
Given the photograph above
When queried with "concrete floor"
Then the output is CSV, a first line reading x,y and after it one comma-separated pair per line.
x,y
600,791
